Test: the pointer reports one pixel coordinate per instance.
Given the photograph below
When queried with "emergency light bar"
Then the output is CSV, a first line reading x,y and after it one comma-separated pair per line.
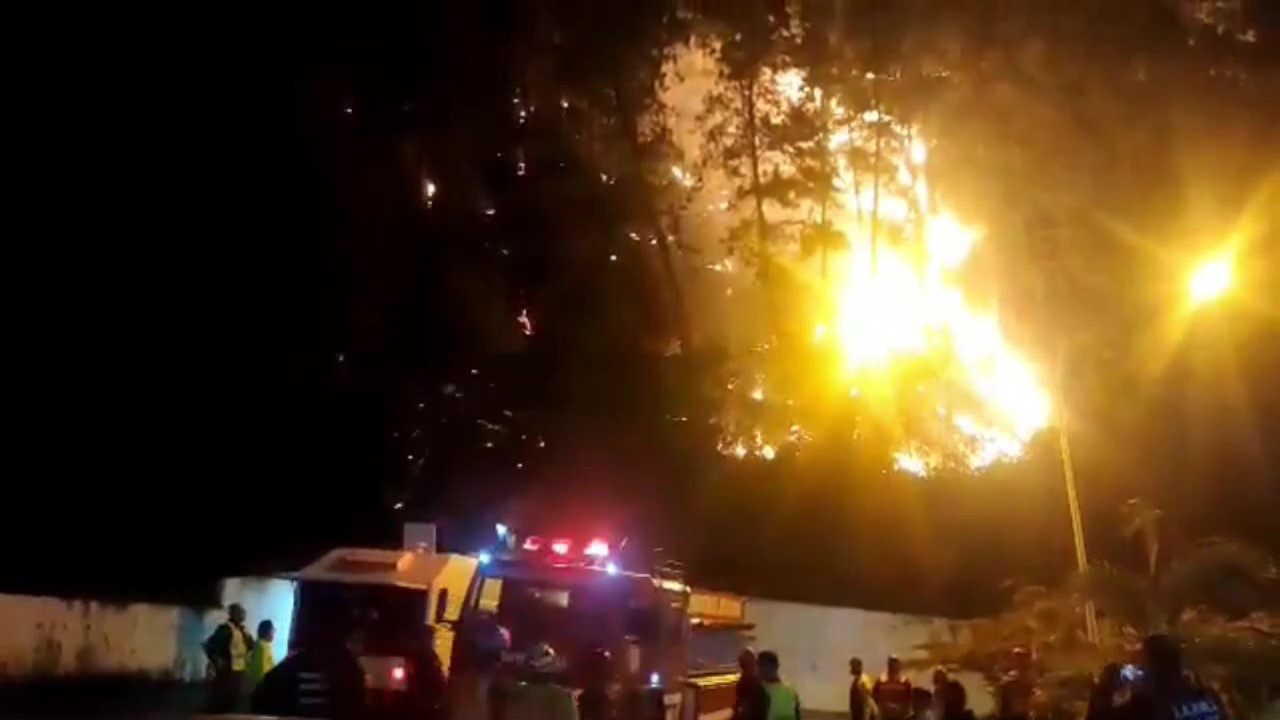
x,y
595,552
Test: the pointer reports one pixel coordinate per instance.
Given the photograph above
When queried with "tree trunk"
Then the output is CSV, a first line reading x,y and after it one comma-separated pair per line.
x,y
875,170
913,202
641,194
753,156
684,327
825,190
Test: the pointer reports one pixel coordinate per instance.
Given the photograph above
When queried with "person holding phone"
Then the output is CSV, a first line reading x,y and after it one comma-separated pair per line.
x,y
1106,691
1161,690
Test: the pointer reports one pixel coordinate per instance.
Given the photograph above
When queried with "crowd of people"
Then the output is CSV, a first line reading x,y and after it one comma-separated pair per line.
x,y
324,679
1157,688
761,693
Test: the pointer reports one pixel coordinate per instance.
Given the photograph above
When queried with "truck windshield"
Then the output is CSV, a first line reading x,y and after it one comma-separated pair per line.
x,y
571,618
387,620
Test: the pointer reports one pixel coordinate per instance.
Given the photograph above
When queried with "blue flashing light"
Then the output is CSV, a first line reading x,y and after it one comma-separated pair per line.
x,y
611,568
484,558
501,530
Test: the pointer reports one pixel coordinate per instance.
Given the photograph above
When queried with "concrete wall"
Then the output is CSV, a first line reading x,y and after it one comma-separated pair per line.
x,y
41,636
815,642
44,636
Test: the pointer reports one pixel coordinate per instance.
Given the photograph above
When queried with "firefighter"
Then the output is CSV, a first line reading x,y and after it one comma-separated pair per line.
x,y
228,652
892,692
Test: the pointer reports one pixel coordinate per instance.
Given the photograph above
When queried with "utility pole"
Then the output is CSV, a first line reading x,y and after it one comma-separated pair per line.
x,y
1073,504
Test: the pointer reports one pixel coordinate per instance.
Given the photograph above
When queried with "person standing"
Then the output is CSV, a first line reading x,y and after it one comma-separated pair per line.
x,y
1102,699
1163,693
940,679
1018,688
594,702
892,692
228,652
262,657
955,702
474,692
784,702
921,704
861,707
750,700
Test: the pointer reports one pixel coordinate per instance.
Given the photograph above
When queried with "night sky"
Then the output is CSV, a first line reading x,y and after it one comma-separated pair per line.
x,y
247,341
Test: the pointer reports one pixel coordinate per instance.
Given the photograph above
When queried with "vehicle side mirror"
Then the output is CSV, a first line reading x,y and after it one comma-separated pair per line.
x,y
442,606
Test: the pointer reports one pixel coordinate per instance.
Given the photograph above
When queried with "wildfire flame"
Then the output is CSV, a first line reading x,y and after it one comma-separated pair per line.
x,y
900,303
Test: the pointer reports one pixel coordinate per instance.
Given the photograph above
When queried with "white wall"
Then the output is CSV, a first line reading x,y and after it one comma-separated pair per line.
x,y
52,636
815,642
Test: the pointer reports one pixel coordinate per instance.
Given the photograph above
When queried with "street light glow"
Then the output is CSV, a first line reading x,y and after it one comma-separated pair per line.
x,y
1210,280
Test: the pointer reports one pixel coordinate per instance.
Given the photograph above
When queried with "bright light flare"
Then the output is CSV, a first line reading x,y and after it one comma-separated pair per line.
x,y
911,463
919,152
1210,280
948,241
895,306
902,310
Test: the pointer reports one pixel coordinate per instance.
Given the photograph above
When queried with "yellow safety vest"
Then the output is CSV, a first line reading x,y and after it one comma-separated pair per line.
x,y
239,649
261,659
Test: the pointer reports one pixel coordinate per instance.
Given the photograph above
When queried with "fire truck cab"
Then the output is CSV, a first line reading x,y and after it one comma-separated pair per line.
x,y
673,649
420,617
402,606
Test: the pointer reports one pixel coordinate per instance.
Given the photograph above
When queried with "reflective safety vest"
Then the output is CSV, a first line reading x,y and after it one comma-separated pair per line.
x,y
239,649
783,701
261,660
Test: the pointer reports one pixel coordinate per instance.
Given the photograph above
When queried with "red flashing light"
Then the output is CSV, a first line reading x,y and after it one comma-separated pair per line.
x,y
533,543
560,547
397,674
597,548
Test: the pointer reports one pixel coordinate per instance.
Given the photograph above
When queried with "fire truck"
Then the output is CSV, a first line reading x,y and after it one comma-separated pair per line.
x,y
673,648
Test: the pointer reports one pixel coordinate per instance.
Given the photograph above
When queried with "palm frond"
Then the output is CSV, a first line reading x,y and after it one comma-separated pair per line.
x,y
1225,575
1123,596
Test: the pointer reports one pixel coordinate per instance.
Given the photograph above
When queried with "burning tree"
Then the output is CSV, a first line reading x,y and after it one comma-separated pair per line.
x,y
858,298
